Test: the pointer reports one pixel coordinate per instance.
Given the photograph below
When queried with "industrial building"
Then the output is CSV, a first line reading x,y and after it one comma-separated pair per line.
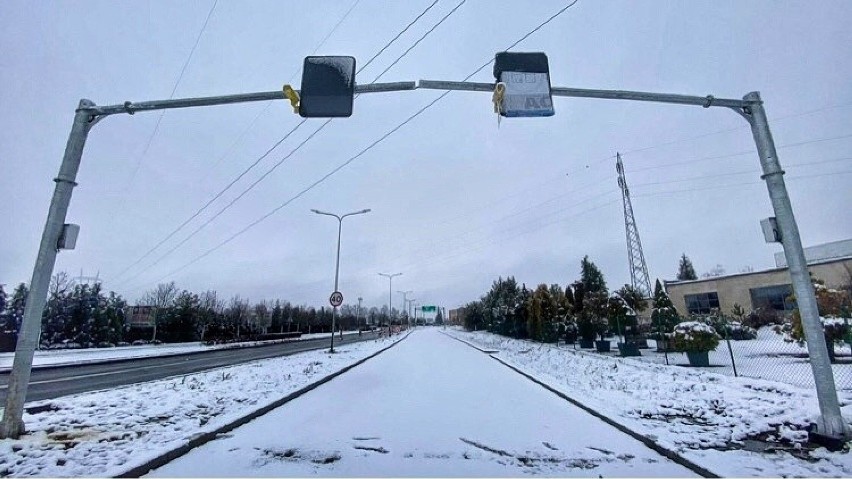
x,y
830,262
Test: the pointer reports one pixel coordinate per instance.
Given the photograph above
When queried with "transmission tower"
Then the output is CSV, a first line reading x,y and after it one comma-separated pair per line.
x,y
638,269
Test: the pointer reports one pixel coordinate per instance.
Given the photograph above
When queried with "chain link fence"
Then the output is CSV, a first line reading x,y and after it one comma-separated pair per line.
x,y
769,352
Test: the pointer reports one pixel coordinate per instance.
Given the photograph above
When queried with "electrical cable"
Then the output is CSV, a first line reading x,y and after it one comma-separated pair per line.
x,y
258,160
363,151
320,128
172,94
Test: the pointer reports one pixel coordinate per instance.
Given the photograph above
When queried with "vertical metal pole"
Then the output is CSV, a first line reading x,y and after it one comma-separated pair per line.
x,y
831,420
390,304
336,275
13,426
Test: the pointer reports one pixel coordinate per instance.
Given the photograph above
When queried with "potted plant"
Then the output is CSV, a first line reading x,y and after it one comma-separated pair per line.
x,y
663,318
696,339
587,330
592,320
622,318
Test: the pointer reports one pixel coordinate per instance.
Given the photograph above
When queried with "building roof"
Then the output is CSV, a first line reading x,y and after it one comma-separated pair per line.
x,y
764,271
820,252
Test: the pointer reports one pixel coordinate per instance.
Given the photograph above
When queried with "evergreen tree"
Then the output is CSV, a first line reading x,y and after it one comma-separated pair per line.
x,y
622,318
633,298
521,313
535,312
276,323
664,315
180,323
591,277
15,309
685,271
439,318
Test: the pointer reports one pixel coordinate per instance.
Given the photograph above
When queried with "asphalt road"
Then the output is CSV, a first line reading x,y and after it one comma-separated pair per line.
x,y
52,382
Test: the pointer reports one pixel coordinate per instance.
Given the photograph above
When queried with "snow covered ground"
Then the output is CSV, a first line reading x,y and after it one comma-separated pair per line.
x,y
430,406
712,419
767,357
107,432
56,357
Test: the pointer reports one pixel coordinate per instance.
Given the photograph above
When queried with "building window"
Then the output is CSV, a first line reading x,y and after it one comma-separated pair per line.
x,y
701,303
775,297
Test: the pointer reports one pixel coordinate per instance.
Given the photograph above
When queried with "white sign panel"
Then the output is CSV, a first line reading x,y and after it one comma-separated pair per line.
x,y
527,94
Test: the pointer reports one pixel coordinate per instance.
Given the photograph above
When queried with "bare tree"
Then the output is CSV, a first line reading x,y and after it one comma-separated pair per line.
x,y
262,316
211,306
60,283
238,312
161,298
717,270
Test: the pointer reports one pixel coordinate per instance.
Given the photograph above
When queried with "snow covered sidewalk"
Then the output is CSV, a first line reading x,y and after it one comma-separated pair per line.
x,y
731,426
107,432
431,406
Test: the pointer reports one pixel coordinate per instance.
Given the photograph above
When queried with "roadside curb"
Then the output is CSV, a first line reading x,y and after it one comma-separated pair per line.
x,y
167,355
203,438
647,441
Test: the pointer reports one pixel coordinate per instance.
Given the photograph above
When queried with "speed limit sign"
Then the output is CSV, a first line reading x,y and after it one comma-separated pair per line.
x,y
336,299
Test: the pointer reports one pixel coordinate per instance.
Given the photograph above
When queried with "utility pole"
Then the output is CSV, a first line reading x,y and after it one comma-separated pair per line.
x,y
390,277
19,378
832,421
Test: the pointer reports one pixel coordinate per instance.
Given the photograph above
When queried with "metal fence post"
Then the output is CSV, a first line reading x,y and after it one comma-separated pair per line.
x,y
12,425
831,420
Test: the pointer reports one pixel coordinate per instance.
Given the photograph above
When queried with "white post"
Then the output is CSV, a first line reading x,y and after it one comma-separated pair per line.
x,y
13,426
832,422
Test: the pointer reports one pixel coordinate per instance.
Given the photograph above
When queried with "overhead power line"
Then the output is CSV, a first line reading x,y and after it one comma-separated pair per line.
x,y
367,148
274,146
316,131
269,103
172,94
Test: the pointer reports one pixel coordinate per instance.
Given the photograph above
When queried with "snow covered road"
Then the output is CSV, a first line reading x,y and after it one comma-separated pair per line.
x,y
431,406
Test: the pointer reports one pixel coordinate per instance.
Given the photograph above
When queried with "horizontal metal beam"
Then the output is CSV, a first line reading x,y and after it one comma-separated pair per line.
x,y
454,85
705,101
131,107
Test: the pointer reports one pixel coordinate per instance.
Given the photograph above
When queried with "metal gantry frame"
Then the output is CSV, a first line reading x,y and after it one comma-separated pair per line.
x,y
750,107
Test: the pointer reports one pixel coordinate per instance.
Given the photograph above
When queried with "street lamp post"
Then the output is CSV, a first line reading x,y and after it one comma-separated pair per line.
x,y
404,294
390,277
409,309
337,263
358,314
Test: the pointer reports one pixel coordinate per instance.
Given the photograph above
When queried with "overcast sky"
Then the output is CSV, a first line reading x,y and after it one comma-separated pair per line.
x,y
456,200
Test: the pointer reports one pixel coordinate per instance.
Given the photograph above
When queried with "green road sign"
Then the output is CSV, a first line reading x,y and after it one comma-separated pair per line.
x,y
428,309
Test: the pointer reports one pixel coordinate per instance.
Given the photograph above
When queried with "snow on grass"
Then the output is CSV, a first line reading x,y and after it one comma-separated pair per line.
x,y
107,432
709,418
56,357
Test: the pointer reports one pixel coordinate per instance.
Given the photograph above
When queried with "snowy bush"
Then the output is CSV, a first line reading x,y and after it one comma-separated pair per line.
x,y
737,331
727,328
694,337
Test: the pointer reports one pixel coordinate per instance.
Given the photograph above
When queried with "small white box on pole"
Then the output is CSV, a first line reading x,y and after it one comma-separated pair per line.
x,y
68,237
770,230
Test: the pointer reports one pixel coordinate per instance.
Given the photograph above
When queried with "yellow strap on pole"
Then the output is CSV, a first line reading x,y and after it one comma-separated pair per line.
x,y
290,94
497,99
